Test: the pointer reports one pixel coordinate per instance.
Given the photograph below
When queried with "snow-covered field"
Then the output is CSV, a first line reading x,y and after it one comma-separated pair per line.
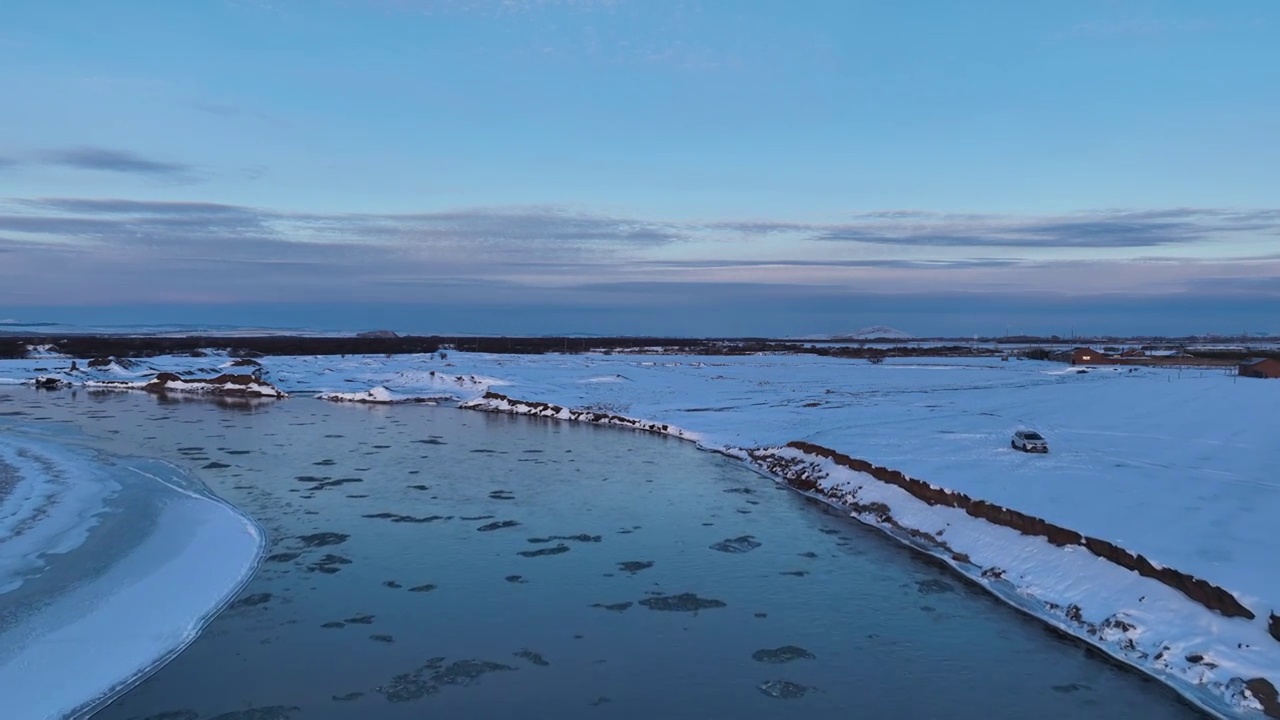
x,y
1175,466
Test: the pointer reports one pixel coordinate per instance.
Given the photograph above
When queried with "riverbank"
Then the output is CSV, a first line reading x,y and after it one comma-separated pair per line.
x,y
1009,564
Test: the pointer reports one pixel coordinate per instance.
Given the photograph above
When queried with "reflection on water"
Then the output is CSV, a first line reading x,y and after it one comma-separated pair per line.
x,y
429,562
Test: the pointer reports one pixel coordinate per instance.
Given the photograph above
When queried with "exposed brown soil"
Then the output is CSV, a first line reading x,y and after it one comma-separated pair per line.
x,y
1266,694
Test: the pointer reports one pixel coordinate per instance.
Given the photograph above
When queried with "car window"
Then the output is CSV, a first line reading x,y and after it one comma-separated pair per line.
x,y
1032,436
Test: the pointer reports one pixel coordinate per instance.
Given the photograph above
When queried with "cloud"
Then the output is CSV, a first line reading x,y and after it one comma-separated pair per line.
x,y
139,207
119,161
105,249
125,224
190,229
1092,230
536,230
545,224
867,263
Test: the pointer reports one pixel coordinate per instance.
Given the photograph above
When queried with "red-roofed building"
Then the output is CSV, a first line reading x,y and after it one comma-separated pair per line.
x,y
1265,368
1089,356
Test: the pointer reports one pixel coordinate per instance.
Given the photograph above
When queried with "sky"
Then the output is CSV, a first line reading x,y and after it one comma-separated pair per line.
x,y
693,167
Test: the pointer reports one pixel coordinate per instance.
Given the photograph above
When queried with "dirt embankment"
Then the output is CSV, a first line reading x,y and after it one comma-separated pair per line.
x,y
1207,594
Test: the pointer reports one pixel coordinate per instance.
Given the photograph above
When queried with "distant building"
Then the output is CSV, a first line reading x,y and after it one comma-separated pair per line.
x,y
1089,356
1262,368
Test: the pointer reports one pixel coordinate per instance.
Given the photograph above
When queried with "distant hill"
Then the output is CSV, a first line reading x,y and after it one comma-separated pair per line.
x,y
877,332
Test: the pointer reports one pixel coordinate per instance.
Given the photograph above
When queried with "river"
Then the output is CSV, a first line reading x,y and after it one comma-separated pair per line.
x,y
432,562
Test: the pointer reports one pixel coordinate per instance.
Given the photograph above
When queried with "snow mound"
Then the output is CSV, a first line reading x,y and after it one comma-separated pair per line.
x,y
45,352
605,379
414,381
376,396
498,403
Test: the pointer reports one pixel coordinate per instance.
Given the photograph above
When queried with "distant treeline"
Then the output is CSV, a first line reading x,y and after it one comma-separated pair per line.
x,y
95,346
92,346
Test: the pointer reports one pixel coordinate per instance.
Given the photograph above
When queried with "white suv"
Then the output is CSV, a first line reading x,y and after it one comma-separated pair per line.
x,y
1029,441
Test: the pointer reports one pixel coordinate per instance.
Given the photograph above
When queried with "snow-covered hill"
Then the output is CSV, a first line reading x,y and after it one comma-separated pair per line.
x,y
875,332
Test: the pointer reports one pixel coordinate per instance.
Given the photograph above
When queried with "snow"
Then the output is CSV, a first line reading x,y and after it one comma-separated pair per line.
x,y
195,387
1177,465
44,352
372,395
42,512
496,403
377,396
137,605
878,332
875,332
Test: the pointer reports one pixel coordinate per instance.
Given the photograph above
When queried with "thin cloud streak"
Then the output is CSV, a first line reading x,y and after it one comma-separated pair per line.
x,y
1094,230
106,160
141,207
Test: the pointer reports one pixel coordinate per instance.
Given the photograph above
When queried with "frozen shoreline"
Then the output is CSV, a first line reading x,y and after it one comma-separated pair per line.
x,y
131,574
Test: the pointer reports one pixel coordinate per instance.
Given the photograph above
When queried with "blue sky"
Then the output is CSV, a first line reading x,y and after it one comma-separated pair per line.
x,y
684,166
